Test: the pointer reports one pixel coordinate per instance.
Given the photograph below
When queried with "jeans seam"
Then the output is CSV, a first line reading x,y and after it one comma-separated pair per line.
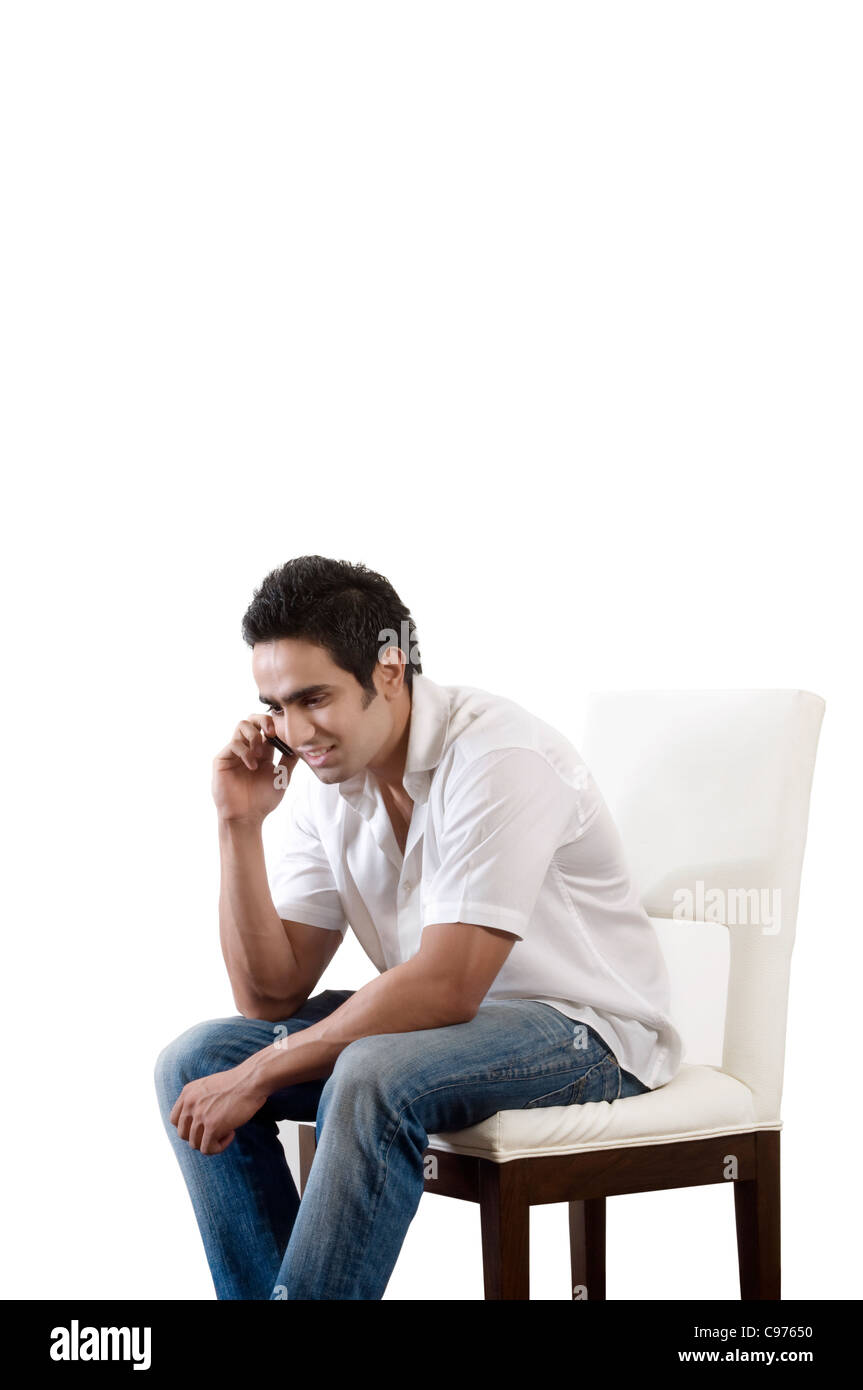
x,y
566,1086
601,1061
452,1084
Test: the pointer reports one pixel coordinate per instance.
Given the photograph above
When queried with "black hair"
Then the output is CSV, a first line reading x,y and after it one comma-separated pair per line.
x,y
349,610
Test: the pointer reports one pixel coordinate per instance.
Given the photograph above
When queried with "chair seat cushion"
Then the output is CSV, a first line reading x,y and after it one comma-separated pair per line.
x,y
699,1102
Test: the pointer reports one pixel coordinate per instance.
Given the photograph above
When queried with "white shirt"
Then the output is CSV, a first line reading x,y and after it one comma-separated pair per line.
x,y
508,830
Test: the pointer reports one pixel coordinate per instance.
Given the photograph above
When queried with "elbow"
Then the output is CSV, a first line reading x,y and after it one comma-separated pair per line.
x,y
247,1008
267,1010
460,1010
463,1016
448,1002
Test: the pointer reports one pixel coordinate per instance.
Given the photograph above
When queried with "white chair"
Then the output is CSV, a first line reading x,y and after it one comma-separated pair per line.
x,y
710,793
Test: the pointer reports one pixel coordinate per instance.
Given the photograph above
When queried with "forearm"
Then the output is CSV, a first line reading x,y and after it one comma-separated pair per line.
x,y
257,953
403,999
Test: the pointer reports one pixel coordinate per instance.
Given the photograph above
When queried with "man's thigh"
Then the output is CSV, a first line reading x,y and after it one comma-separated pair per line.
x,y
513,1055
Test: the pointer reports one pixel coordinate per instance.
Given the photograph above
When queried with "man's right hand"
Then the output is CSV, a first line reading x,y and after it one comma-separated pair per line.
x,y
244,776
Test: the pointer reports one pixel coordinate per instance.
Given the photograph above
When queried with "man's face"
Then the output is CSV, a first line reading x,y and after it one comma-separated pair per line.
x,y
329,709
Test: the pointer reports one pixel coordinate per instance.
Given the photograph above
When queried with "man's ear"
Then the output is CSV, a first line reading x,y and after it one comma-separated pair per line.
x,y
392,665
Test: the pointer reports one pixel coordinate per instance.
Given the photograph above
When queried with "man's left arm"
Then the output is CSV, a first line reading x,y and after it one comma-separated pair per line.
x,y
444,983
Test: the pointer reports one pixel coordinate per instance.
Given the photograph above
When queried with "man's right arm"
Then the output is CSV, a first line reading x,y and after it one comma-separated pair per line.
x,y
273,964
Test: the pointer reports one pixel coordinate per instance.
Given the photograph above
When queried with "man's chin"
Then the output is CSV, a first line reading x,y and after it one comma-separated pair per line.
x,y
330,774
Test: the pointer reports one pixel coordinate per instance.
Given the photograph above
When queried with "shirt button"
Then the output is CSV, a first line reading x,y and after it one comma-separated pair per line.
x,y
407,886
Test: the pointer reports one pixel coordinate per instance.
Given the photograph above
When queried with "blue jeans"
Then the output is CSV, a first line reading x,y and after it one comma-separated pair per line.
x,y
374,1113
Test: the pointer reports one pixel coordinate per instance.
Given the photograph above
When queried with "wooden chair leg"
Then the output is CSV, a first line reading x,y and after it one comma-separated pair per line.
x,y
505,1221
587,1248
307,1143
756,1208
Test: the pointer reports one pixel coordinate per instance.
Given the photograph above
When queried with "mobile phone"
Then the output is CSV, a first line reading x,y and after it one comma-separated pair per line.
x,y
277,743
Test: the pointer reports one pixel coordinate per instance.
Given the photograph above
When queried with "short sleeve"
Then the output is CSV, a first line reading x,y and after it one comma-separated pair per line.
x,y
301,882
505,816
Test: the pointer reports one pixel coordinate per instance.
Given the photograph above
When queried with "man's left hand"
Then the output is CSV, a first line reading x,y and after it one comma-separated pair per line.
x,y
208,1112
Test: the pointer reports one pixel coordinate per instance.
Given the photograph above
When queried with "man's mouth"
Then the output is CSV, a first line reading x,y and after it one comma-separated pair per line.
x,y
320,755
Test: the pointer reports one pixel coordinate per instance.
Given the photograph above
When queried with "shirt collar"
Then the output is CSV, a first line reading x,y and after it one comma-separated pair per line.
x,y
427,731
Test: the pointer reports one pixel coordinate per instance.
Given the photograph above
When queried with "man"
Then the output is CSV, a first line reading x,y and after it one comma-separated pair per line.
x,y
468,848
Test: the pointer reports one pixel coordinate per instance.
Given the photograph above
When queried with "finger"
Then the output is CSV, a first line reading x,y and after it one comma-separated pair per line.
x,y
258,725
243,746
237,751
254,731
249,744
176,1115
217,1146
210,1144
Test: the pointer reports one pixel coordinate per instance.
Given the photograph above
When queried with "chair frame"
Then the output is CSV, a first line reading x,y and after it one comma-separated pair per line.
x,y
506,1192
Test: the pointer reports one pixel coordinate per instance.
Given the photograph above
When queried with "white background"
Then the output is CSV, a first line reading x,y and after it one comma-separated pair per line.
x,y
550,313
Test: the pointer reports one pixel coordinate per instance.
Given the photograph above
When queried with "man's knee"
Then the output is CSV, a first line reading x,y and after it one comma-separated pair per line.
x,y
378,1063
199,1051
364,1055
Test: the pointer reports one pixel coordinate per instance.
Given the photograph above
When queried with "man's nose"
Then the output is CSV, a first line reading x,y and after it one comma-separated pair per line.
x,y
299,731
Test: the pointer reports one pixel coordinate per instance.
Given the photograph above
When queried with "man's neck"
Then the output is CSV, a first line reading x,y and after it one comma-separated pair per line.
x,y
389,773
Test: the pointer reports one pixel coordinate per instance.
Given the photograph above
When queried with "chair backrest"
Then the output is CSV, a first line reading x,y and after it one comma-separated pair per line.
x,y
710,792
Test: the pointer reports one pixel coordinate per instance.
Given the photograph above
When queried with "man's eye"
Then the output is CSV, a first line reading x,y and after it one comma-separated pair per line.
x,y
311,700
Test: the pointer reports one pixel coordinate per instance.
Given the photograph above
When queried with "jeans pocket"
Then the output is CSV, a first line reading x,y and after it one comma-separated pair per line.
x,y
561,1096
600,1082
